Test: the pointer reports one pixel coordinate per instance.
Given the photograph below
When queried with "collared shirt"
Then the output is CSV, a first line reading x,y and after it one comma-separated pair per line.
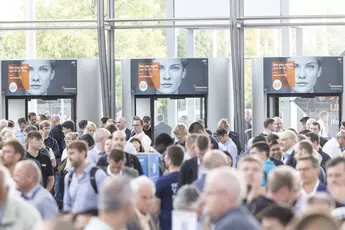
x,y
96,223
312,193
43,201
79,195
144,220
129,148
201,169
93,155
19,135
230,147
287,154
113,174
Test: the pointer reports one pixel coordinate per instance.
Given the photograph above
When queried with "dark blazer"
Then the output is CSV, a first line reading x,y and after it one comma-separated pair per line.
x,y
323,141
276,162
162,128
291,160
57,134
325,158
236,139
188,171
128,133
322,188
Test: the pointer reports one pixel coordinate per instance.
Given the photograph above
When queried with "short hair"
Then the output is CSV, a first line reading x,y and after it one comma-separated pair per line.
x,y
317,217
34,135
306,146
203,142
79,145
225,122
214,158
44,124
191,140
301,137
176,154
22,120
68,125
304,119
274,143
315,123
283,214
293,130
343,123
180,129
187,197
55,117
111,128
101,134
196,128
114,194
268,122
289,134
17,146
146,119
259,138
304,131
262,147
82,124
32,114
221,133
250,159
335,162
313,137
272,137
104,119
140,181
43,117
282,176
162,142
30,128
10,124
315,162
160,117
116,155
135,118
88,139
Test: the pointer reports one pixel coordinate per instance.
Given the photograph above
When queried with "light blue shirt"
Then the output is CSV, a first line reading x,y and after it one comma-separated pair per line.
x,y
94,155
230,146
43,201
19,135
79,195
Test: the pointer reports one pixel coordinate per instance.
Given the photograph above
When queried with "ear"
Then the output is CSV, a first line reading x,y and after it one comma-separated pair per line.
x,y
184,73
52,75
319,72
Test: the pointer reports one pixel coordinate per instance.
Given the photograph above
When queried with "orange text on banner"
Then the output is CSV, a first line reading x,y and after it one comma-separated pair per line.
x,y
150,73
19,74
285,72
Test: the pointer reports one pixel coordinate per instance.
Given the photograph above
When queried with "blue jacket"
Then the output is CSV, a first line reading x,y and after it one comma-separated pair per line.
x,y
268,166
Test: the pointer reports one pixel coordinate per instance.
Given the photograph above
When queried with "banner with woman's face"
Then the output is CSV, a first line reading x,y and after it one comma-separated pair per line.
x,y
39,77
303,75
168,76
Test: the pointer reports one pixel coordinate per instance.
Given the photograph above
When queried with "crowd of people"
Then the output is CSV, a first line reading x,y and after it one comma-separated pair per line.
x,y
58,176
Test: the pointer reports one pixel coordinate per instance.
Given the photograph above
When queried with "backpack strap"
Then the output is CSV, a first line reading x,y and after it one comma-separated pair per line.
x,y
93,179
70,176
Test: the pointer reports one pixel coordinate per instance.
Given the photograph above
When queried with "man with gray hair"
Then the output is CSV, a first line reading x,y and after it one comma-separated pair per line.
x,y
16,214
100,136
27,176
212,159
161,126
224,200
114,205
188,198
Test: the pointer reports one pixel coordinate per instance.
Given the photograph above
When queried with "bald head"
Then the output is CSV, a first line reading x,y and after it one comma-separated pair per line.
x,y
214,159
28,168
101,135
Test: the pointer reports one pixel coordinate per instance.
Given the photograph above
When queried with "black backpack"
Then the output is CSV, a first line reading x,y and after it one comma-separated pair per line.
x,y
92,179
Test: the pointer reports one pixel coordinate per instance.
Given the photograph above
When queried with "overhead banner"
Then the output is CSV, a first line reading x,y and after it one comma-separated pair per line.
x,y
39,77
303,75
169,76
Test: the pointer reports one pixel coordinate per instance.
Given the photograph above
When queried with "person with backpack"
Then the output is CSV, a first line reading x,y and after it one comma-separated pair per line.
x,y
83,182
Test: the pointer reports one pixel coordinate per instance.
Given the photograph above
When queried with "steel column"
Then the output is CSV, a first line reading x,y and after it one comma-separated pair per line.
x,y
111,61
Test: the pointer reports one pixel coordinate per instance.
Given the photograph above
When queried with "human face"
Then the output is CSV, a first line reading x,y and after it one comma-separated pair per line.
x,y
306,171
278,124
22,126
138,128
75,157
107,146
215,196
36,143
146,124
33,119
65,131
285,143
9,156
271,224
119,139
46,131
136,146
144,199
341,141
21,178
68,139
120,124
41,73
181,138
336,175
276,152
252,173
314,129
307,71
115,167
222,139
171,75
200,153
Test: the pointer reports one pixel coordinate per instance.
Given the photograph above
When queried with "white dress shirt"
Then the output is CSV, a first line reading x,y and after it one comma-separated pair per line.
x,y
312,193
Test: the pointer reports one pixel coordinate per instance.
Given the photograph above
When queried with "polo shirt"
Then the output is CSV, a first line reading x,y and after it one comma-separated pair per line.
x,y
45,164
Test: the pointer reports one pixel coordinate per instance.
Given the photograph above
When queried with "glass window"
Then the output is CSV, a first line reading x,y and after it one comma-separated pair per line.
x,y
62,107
316,7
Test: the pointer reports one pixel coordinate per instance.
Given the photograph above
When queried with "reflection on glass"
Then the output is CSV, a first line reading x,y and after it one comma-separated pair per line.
x,y
62,107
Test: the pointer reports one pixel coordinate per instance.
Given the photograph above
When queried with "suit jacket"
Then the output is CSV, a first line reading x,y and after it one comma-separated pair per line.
x,y
128,133
291,160
132,173
188,171
135,223
162,128
235,138
18,214
323,141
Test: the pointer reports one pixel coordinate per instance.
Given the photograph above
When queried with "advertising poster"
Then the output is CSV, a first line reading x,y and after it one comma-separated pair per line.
x,y
39,77
303,75
169,76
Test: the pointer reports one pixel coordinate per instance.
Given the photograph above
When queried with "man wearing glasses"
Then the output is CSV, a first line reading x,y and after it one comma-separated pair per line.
x,y
138,127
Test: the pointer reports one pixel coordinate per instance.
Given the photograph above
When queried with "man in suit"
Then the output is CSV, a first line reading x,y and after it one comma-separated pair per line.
x,y
193,169
117,166
309,168
121,125
212,159
161,126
